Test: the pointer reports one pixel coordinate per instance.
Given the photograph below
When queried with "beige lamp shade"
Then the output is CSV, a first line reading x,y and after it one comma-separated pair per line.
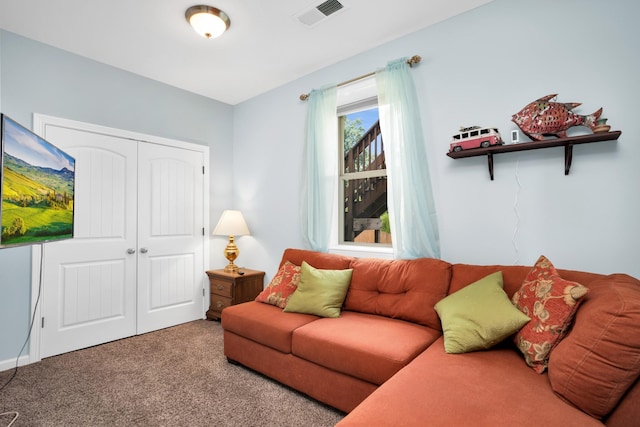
x,y
231,224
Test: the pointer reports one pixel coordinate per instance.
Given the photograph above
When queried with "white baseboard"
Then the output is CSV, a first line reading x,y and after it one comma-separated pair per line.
x,y
5,365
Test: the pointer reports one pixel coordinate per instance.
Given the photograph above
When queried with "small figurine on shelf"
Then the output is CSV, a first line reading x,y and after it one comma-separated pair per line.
x,y
544,117
475,137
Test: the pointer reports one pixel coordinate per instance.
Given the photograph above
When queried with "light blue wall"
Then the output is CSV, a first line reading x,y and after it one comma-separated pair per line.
x,y
480,68
36,78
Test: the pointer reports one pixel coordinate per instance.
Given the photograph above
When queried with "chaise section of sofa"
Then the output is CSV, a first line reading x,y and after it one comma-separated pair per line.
x,y
483,388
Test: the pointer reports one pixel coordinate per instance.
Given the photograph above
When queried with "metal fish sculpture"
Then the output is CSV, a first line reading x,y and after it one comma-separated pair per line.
x,y
544,117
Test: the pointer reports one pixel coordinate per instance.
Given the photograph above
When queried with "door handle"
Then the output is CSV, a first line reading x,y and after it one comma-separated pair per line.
x,y
131,251
144,250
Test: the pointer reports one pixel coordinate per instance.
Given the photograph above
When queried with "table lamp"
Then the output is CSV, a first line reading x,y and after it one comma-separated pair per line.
x,y
231,224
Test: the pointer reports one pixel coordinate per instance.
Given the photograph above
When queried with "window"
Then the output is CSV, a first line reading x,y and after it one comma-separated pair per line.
x,y
364,217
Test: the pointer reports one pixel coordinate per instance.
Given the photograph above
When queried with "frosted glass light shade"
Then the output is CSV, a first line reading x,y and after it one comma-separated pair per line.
x,y
208,21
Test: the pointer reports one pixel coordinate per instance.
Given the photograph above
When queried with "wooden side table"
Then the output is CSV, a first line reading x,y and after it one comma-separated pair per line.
x,y
232,288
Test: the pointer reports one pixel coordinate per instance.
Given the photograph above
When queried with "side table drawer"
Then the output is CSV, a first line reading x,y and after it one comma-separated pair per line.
x,y
218,302
221,287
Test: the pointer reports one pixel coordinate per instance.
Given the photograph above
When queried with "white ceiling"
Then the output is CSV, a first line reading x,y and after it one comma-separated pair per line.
x,y
265,47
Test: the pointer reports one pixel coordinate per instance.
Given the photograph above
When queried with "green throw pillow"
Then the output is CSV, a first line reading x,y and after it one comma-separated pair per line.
x,y
320,292
478,316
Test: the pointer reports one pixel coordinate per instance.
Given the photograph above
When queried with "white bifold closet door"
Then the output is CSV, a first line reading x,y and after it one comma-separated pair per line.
x,y
136,262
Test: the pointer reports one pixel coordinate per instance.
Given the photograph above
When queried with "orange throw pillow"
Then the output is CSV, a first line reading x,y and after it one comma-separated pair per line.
x,y
283,284
551,303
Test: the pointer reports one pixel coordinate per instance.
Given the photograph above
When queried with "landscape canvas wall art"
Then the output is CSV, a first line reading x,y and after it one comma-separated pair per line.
x,y
37,188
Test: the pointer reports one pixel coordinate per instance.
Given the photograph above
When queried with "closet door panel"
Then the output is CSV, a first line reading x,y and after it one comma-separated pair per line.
x,y
89,282
170,233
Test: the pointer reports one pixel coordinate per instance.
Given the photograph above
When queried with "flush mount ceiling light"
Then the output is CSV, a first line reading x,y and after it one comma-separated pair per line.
x,y
208,21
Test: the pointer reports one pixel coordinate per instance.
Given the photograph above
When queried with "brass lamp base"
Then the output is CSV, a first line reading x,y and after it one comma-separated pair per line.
x,y
231,268
231,252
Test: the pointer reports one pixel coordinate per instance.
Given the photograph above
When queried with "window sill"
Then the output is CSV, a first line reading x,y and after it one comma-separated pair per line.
x,y
362,251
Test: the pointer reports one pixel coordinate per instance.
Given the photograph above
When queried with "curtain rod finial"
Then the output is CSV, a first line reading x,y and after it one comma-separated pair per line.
x,y
415,59
304,97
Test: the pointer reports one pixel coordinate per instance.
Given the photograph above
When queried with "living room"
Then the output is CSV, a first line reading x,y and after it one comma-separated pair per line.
x,y
477,68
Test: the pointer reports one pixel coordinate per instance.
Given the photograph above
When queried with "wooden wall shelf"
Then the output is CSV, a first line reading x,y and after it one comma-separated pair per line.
x,y
568,144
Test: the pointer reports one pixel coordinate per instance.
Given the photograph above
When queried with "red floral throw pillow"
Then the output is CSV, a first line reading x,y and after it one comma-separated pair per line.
x,y
283,284
551,303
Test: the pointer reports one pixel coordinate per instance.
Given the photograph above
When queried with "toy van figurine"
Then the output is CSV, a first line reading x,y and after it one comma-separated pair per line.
x,y
475,137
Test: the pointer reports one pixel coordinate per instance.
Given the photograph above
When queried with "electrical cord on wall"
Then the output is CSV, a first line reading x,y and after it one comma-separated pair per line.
x,y
15,370
515,211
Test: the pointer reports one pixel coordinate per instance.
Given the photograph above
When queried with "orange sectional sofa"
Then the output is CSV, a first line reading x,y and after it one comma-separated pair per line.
x,y
383,361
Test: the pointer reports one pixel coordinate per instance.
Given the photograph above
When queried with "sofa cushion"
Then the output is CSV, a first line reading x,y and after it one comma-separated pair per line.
x,y
365,346
600,358
479,389
400,289
551,302
320,292
478,316
264,323
283,284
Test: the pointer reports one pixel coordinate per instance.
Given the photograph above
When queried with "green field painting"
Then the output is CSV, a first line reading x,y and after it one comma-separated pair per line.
x,y
37,188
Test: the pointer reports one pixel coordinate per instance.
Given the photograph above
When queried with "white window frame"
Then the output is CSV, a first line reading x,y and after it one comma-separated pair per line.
x,y
356,96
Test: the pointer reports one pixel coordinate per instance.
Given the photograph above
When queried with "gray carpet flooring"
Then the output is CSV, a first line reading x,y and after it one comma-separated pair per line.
x,y
172,377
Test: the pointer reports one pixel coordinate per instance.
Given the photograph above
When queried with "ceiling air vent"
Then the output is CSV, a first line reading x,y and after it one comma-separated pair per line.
x,y
318,13
329,7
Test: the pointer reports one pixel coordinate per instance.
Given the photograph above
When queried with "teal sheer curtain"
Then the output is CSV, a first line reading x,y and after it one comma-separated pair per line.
x,y
412,213
320,168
